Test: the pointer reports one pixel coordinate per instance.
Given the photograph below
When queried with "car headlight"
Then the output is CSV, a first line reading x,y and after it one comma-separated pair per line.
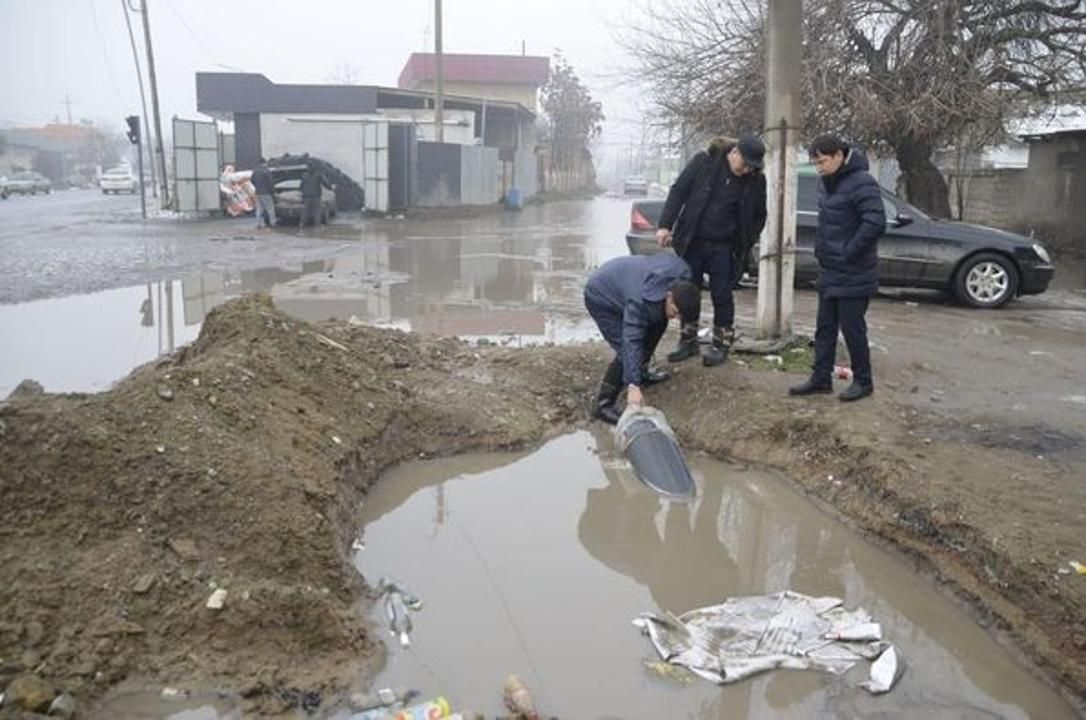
x,y
1042,253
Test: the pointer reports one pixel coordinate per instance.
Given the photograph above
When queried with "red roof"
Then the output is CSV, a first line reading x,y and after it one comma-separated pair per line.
x,y
514,69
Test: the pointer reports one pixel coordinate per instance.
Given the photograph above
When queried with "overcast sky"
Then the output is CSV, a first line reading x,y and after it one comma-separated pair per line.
x,y
80,48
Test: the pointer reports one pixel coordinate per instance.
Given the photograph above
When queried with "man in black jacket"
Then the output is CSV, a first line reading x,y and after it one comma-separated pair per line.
x,y
631,298
714,212
851,218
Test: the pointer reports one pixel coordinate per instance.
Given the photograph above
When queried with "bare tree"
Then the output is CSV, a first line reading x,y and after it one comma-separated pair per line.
x,y
345,74
905,76
573,120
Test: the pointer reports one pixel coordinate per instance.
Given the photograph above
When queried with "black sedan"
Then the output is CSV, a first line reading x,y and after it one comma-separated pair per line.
x,y
983,267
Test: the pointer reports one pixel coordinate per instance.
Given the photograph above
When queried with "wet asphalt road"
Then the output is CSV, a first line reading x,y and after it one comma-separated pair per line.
x,y
88,290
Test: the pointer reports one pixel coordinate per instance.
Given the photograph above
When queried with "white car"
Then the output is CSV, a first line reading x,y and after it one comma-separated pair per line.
x,y
119,180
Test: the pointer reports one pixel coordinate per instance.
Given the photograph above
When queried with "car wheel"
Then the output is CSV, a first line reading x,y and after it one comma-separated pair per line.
x,y
986,280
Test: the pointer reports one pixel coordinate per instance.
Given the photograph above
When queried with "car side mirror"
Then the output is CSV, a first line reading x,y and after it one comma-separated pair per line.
x,y
901,220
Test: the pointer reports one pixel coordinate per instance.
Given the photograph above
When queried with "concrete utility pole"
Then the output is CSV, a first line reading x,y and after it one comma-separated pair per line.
x,y
776,266
439,104
160,154
143,100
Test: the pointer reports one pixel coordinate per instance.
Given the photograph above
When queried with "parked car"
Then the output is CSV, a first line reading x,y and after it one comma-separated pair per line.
x,y
119,180
981,266
287,194
29,183
635,185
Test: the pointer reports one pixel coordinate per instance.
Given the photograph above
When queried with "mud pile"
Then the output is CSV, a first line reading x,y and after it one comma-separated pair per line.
x,y
238,463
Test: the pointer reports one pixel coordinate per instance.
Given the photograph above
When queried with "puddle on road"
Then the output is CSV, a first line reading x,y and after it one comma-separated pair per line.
x,y
509,278
537,563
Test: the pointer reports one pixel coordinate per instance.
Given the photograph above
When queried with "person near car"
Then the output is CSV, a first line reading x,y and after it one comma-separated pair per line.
x,y
632,298
265,189
851,218
311,196
714,212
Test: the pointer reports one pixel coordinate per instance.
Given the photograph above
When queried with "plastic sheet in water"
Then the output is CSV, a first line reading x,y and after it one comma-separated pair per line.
x,y
744,636
648,442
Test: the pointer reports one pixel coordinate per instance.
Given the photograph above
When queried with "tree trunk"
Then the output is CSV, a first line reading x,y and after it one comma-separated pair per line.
x,y
924,184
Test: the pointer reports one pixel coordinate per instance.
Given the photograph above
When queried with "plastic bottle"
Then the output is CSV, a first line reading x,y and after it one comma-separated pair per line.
x,y
518,699
435,709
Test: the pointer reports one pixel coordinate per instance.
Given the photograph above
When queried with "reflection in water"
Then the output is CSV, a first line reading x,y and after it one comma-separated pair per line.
x,y
537,563
507,277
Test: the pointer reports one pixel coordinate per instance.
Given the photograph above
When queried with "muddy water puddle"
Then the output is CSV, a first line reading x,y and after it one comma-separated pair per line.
x,y
503,278
536,564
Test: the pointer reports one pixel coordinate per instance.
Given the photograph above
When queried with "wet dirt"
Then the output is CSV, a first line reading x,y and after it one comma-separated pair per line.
x,y
537,563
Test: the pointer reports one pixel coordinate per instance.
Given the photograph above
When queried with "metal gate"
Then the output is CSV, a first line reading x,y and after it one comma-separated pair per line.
x,y
375,165
196,165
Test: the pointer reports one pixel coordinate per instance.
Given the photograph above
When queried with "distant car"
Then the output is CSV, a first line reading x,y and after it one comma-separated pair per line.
x,y
635,185
981,266
287,195
29,183
119,180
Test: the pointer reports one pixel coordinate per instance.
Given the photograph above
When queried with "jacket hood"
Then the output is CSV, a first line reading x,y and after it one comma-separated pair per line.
x,y
719,146
854,160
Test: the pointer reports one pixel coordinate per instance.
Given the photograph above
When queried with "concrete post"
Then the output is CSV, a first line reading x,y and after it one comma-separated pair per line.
x,y
776,264
439,61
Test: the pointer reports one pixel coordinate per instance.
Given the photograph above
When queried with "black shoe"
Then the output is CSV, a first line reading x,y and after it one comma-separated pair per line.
x,y
686,349
812,387
855,391
717,354
606,412
653,376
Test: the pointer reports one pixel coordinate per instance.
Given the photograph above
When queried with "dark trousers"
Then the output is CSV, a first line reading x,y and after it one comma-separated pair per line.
x,y
714,258
846,315
610,324
311,210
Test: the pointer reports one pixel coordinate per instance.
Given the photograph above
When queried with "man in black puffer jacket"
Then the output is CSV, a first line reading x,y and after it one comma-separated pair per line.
x,y
717,210
851,219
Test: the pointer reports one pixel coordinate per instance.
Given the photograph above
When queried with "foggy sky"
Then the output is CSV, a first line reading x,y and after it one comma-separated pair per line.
x,y
80,48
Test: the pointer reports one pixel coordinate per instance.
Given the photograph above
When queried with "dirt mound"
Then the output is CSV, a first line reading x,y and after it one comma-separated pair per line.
x,y
237,463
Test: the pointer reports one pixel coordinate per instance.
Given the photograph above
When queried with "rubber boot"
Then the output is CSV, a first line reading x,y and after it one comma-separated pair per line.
x,y
652,375
603,407
717,354
688,344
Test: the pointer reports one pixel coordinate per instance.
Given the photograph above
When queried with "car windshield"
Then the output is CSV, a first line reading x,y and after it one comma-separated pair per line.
x,y
117,173
24,176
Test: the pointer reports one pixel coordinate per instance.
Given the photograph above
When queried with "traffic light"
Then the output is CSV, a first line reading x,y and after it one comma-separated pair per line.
x,y
133,129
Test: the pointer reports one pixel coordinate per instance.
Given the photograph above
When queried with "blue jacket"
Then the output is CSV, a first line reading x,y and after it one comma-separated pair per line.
x,y
851,218
626,296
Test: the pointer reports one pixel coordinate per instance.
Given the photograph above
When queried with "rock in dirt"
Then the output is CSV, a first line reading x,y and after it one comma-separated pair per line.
x,y
217,599
27,389
63,706
185,548
165,393
144,583
29,692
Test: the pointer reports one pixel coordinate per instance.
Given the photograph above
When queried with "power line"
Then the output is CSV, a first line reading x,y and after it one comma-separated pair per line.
x,y
210,53
105,55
